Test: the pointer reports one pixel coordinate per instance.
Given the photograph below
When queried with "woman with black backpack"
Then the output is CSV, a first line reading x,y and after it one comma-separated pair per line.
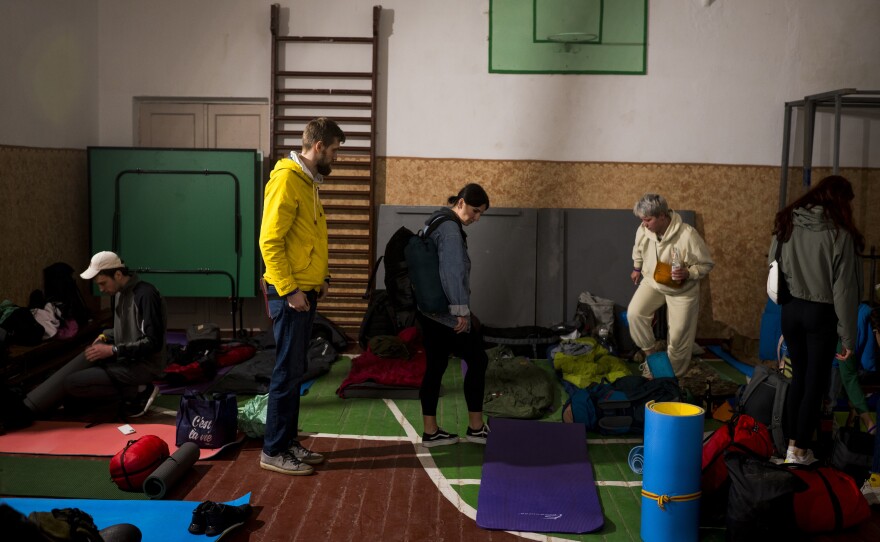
x,y
454,331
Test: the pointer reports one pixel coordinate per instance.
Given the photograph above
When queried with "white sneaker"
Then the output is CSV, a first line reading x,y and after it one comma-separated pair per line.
x,y
871,489
646,371
791,458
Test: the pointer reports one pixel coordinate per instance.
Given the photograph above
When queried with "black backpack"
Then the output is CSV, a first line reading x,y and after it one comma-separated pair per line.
x,y
394,308
380,318
763,398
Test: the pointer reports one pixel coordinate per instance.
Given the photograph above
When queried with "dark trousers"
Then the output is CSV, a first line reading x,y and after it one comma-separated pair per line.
x,y
810,331
293,330
440,341
77,385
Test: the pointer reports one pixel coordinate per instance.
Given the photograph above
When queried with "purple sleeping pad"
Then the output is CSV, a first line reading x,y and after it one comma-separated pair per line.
x,y
537,477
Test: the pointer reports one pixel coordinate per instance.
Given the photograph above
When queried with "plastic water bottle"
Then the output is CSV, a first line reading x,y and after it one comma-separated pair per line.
x,y
676,261
604,336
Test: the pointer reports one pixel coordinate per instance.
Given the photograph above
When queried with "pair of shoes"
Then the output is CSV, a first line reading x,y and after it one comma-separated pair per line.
x,y
304,454
477,436
439,438
646,371
142,402
285,463
871,489
792,458
212,518
199,518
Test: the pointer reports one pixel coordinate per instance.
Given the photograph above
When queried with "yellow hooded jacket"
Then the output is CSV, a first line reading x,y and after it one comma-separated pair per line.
x,y
293,233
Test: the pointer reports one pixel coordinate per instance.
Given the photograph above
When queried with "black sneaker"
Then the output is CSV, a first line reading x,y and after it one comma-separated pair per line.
x,y
439,438
478,436
199,519
141,403
223,517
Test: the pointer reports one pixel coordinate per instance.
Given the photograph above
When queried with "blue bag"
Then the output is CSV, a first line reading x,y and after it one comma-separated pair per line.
x,y
208,421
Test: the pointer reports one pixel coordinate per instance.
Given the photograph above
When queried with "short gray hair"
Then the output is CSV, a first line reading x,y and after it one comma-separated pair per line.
x,y
651,205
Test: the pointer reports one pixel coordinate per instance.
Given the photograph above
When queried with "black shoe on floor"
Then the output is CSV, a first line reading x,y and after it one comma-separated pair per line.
x,y
141,403
222,517
199,518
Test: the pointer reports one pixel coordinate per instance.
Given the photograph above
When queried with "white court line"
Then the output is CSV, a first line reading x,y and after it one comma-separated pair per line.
x,y
443,484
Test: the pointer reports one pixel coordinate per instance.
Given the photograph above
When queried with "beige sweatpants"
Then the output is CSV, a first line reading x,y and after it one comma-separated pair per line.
x,y
682,311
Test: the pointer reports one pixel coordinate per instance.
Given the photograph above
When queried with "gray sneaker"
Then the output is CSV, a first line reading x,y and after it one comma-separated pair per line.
x,y
304,454
285,463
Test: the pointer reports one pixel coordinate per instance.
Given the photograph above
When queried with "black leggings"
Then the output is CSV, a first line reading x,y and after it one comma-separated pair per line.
x,y
441,341
810,331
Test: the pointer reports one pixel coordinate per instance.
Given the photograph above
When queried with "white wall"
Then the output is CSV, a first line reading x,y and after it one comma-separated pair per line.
x,y
717,78
48,73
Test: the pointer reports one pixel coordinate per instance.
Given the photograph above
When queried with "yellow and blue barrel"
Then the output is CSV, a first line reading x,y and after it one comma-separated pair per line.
x,y
671,472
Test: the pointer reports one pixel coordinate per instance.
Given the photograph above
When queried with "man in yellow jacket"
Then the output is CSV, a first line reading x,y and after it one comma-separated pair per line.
x,y
293,242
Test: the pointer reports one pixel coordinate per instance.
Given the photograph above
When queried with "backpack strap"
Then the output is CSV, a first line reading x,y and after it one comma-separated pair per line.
x,y
372,281
835,502
434,224
758,377
776,429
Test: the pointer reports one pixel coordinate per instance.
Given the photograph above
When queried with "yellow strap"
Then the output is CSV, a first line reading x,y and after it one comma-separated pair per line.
x,y
663,500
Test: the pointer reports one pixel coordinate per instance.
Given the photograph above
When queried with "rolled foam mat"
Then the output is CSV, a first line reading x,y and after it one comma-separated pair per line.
x,y
157,520
75,438
537,477
171,470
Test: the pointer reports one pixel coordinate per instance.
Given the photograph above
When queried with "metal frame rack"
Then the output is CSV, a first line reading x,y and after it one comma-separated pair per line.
x,y
839,100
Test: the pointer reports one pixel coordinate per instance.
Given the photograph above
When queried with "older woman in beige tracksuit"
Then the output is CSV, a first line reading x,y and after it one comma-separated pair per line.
x,y
661,231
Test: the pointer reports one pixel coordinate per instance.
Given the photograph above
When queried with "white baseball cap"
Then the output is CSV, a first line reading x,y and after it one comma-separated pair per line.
x,y
100,262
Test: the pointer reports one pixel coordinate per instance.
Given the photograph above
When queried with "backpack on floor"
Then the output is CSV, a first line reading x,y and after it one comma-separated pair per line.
x,y
853,452
742,433
760,503
379,319
620,407
763,398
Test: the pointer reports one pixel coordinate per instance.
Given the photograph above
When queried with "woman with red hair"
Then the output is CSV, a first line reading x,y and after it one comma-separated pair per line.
x,y
820,267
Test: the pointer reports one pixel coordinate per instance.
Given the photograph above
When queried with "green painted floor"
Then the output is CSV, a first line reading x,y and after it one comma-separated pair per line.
x,y
322,411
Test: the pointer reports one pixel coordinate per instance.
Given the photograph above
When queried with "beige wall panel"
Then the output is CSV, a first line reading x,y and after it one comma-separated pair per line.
x,y
45,217
735,207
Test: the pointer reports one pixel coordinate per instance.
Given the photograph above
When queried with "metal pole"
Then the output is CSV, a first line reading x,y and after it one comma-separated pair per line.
x,y
786,145
837,105
809,126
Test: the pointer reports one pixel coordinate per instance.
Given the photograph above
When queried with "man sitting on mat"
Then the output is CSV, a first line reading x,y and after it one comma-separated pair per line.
x,y
122,362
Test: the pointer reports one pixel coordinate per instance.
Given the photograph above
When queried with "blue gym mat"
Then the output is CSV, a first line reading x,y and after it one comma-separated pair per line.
x,y
157,520
744,368
537,477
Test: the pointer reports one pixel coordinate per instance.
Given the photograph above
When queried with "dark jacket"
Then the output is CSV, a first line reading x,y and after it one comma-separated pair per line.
x,y
138,332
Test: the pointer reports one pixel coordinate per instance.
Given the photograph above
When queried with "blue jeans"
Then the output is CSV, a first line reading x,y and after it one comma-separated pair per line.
x,y
293,330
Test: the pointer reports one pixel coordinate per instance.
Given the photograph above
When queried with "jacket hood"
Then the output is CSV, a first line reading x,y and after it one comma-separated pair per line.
x,y
445,212
811,218
449,214
287,163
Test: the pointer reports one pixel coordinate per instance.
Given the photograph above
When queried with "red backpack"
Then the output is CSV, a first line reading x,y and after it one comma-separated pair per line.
x,y
742,433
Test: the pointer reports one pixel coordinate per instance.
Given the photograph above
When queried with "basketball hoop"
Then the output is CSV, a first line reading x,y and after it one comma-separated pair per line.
x,y
573,37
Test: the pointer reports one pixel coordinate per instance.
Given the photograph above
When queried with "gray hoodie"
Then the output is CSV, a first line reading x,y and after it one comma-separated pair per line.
x,y
820,264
